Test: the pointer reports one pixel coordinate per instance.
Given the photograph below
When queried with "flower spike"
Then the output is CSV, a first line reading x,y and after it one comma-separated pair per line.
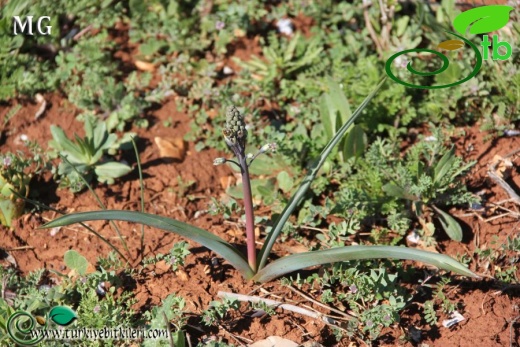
x,y
235,132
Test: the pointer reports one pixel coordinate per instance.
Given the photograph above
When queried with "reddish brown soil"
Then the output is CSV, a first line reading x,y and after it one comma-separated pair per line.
x,y
489,309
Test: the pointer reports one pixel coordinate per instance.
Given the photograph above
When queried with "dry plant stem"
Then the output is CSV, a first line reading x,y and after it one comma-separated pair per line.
x,y
250,217
371,31
498,180
345,315
288,307
501,182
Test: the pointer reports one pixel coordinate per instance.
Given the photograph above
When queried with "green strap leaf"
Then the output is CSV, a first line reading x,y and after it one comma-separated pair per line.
x,y
205,238
300,261
484,19
306,183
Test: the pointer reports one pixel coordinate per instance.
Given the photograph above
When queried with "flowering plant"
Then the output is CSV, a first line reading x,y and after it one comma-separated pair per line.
x,y
255,267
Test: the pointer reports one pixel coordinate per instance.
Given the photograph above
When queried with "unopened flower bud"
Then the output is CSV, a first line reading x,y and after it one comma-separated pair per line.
x,y
249,156
219,161
235,131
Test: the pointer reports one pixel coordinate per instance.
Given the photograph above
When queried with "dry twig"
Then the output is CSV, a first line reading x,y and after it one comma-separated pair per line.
x,y
273,303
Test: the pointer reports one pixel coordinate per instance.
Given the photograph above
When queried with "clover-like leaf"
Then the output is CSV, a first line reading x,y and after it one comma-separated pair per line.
x,y
62,315
482,19
451,45
76,261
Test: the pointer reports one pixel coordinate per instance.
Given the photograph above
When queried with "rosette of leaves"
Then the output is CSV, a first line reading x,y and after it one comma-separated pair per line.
x,y
255,266
431,176
85,158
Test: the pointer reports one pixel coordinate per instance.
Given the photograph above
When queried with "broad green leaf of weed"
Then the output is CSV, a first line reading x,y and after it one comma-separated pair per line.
x,y
285,181
449,224
355,142
76,261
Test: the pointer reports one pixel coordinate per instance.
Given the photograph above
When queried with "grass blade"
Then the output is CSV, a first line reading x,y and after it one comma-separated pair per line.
x,y
205,238
297,197
303,260
141,186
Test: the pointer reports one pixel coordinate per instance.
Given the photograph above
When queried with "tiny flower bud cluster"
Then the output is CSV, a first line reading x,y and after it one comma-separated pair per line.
x,y
235,131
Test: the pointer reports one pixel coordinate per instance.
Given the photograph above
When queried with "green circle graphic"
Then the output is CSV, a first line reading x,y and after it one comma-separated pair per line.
x,y
445,64
16,330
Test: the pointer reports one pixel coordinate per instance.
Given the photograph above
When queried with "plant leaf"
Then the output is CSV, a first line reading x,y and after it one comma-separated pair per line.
x,y
300,261
449,224
62,315
205,238
354,143
394,190
62,143
445,163
484,19
112,169
451,45
285,181
313,170
76,261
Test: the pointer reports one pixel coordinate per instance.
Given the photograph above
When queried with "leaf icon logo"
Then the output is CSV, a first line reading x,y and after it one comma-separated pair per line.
x,y
483,19
62,315
451,45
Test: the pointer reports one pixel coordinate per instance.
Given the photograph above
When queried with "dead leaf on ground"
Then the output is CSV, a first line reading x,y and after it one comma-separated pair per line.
x,y
502,166
144,66
43,105
274,341
182,275
311,344
227,181
298,248
162,267
73,274
171,147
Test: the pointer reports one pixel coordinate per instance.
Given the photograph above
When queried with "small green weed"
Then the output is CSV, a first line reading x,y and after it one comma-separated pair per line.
x,y
373,295
439,301
160,317
219,311
16,172
175,257
84,159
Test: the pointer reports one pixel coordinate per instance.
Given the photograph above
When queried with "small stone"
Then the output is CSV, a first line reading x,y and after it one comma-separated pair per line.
x,y
227,70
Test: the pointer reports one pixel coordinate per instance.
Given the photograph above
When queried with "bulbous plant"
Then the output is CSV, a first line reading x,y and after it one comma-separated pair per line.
x,y
255,267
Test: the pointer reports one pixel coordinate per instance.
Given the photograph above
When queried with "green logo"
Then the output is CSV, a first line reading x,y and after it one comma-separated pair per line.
x,y
22,327
479,20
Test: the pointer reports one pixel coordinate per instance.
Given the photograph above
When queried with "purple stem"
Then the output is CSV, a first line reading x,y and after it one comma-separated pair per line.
x,y
250,217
